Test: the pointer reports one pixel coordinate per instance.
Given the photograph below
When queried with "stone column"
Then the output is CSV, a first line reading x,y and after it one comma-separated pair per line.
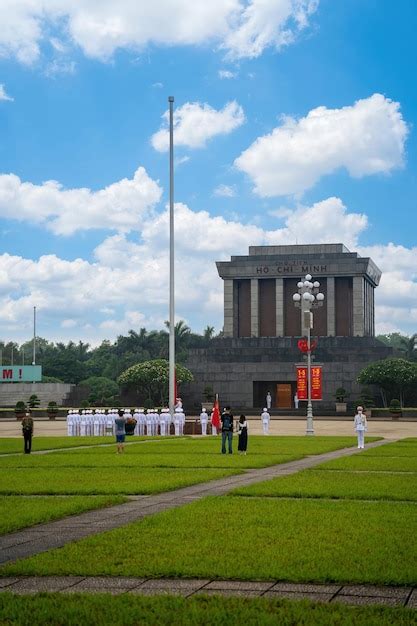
x,y
358,307
331,307
279,303
228,308
254,307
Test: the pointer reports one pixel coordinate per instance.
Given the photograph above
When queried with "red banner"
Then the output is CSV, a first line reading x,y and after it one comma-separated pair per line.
x,y
301,382
316,383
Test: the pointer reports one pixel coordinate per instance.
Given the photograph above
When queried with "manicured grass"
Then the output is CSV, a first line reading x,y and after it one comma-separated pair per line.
x,y
15,444
337,484
103,480
392,449
374,463
103,609
182,453
18,512
129,459
250,538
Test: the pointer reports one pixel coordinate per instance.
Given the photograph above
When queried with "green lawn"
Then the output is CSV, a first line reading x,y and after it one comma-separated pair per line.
x,y
17,512
103,480
392,449
250,538
107,610
131,459
15,444
317,483
374,463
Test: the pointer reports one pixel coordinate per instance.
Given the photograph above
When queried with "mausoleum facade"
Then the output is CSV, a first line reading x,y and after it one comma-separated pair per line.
x,y
258,351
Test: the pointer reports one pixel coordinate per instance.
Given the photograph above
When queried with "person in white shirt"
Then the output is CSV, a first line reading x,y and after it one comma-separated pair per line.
x,y
296,400
265,421
361,426
203,421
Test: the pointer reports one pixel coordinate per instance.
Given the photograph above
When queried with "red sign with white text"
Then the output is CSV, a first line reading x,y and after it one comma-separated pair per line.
x,y
301,382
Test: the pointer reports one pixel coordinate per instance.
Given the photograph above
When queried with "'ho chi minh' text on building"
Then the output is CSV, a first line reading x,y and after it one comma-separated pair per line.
x,y
258,350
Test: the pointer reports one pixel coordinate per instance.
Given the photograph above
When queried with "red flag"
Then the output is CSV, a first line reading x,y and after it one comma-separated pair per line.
x,y
215,416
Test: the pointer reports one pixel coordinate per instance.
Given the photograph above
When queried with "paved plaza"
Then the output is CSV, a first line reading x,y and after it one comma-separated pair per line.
x,y
389,429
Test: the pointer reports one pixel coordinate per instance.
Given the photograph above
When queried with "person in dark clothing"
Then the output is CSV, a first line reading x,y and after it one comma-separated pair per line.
x,y
243,435
27,431
227,429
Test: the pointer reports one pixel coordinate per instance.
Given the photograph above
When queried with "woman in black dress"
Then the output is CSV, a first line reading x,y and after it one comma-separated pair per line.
x,y
243,435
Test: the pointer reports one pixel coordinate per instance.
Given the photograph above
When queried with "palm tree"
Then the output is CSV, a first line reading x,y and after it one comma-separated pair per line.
x,y
208,333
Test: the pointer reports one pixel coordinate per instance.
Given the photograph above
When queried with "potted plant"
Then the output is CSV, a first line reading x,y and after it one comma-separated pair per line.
x,y
395,408
341,404
20,410
208,394
33,401
366,400
52,410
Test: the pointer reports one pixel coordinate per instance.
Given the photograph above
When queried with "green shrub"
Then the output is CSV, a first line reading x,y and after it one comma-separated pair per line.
x,y
20,407
395,406
340,394
33,401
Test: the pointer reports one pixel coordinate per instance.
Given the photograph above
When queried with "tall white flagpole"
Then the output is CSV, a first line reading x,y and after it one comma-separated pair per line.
x,y
171,261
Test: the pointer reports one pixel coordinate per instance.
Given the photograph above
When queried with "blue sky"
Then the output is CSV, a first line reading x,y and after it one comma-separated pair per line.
x,y
295,121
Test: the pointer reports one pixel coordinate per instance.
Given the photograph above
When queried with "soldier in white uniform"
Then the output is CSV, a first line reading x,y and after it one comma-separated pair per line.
x,y
203,421
136,415
268,400
265,421
163,422
296,400
149,422
177,418
361,426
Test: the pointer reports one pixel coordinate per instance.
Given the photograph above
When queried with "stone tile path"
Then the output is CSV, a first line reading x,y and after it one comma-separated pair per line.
x,y
43,537
346,594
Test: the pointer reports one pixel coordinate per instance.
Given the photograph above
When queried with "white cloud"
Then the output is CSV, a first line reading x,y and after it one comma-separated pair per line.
x,y
328,221
266,23
4,95
60,67
395,298
226,74
99,29
195,124
366,138
121,206
225,191
181,160
127,283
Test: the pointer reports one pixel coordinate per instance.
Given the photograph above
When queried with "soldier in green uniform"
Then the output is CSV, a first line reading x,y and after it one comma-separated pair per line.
x,y
27,430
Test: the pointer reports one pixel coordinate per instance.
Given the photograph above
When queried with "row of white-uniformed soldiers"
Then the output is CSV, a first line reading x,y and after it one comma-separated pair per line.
x,y
86,422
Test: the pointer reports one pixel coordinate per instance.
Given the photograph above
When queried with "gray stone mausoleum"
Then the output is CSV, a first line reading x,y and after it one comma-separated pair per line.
x,y
258,351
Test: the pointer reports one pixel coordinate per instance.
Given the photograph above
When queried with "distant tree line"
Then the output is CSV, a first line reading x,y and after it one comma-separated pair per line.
x,y
75,362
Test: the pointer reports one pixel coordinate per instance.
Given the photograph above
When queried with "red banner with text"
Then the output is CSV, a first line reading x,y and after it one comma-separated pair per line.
x,y
316,382
301,382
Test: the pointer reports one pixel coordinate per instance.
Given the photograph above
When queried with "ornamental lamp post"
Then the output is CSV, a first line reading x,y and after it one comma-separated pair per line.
x,y
308,297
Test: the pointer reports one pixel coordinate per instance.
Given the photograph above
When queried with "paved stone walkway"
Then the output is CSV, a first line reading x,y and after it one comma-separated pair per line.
x,y
43,537
346,594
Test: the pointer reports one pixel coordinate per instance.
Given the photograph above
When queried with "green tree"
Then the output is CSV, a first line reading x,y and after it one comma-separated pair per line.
x,y
402,343
103,391
395,377
150,379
